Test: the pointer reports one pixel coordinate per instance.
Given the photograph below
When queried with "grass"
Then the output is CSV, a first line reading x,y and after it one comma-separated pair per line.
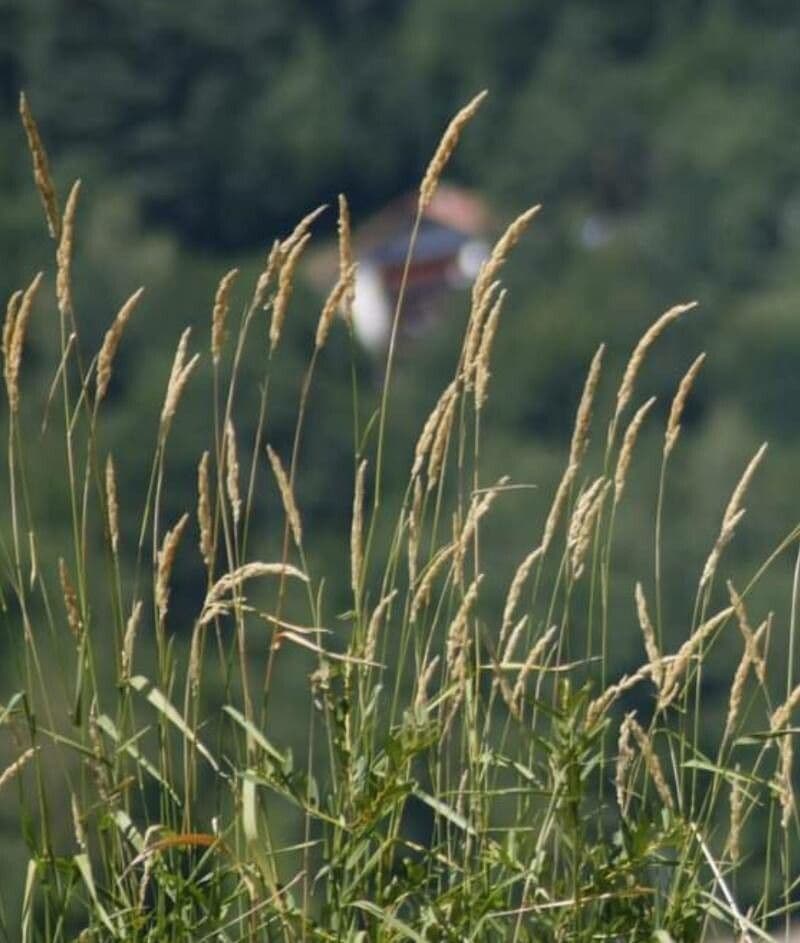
x,y
467,775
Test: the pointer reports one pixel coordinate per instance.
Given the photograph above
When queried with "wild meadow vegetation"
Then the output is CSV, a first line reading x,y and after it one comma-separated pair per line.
x,y
468,771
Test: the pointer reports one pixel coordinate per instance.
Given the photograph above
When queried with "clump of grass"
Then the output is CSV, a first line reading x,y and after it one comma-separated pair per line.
x,y
553,814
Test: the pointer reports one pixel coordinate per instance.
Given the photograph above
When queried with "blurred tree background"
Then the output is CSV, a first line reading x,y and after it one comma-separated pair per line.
x,y
202,130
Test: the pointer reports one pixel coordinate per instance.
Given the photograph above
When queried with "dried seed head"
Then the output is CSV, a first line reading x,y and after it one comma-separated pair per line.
x,y
64,252
648,632
357,532
232,472
513,641
478,509
74,619
12,309
112,504
424,682
265,278
582,524
11,771
640,352
129,639
287,497
431,425
750,653
625,755
603,702
500,252
14,338
515,590
414,527
628,444
782,714
724,538
108,350
733,514
441,440
680,662
41,168
301,230
531,664
445,150
284,294
181,370
332,304
166,559
482,373
472,339
204,520
559,500
457,634
735,503
653,764
583,418
785,781
423,593
678,405
219,316
375,623
77,822
346,260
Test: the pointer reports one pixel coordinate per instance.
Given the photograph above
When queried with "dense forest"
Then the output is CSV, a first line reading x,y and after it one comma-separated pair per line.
x,y
202,131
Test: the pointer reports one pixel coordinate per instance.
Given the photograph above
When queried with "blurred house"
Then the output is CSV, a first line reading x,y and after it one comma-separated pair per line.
x,y
450,247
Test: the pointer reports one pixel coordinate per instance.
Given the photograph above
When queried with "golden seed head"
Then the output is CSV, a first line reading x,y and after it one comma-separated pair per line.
x,y
559,501
64,252
112,504
375,623
178,377
219,316
285,286
679,403
430,427
11,771
14,339
165,561
204,519
648,632
680,662
500,253
583,418
357,531
532,662
41,168
129,639
653,764
108,350
625,756
346,260
640,352
441,440
232,472
287,497
445,150
515,591
628,444
332,304
71,604
477,317
483,358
